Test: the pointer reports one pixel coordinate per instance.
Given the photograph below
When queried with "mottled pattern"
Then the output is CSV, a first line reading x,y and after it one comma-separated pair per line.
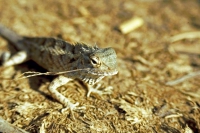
x,y
86,63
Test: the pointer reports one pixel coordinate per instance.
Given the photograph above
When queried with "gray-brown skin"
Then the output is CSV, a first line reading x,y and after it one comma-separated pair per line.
x,y
86,63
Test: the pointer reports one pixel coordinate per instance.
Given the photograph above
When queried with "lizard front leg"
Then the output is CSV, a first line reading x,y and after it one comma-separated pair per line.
x,y
57,82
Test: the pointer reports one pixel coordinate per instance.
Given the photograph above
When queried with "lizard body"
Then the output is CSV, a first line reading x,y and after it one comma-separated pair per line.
x,y
56,55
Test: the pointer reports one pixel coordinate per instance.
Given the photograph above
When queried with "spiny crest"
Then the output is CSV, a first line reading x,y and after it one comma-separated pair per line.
x,y
83,48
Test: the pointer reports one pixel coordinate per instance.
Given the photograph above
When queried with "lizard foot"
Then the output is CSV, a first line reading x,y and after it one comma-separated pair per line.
x,y
72,107
107,90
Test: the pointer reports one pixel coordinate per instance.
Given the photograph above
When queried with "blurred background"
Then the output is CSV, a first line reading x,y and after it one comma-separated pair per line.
x,y
157,41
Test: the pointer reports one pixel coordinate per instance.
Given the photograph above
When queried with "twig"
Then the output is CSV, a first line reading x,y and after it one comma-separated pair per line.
x,y
184,78
6,127
33,74
186,35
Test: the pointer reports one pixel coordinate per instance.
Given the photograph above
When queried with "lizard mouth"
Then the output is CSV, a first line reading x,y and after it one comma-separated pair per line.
x,y
95,77
92,76
103,73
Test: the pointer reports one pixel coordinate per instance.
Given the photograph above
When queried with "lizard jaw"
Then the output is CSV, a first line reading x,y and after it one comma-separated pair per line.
x,y
93,77
109,73
92,80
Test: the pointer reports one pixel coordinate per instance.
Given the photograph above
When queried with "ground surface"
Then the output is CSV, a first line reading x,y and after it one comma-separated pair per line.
x,y
148,58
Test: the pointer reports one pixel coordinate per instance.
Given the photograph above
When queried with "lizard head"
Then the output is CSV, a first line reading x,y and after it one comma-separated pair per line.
x,y
103,62
99,63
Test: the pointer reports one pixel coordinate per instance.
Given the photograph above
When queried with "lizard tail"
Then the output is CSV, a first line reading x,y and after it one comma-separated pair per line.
x,y
12,37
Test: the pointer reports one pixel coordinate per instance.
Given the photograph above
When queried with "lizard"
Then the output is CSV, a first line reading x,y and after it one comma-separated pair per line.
x,y
89,64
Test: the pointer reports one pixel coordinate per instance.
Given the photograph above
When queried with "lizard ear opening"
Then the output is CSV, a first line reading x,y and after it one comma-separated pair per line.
x,y
95,61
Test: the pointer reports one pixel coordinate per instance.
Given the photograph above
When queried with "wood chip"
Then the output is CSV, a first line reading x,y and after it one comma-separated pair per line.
x,y
131,25
187,35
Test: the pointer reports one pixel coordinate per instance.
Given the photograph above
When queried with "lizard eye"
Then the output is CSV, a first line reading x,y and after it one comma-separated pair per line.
x,y
95,61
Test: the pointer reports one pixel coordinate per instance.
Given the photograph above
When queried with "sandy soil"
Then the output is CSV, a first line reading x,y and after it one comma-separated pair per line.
x,y
165,47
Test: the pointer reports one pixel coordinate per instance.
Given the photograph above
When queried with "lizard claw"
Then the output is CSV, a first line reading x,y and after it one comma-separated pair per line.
x,y
107,90
73,107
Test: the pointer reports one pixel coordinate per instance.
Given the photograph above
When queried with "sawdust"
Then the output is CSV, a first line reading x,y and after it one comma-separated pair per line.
x,y
148,58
